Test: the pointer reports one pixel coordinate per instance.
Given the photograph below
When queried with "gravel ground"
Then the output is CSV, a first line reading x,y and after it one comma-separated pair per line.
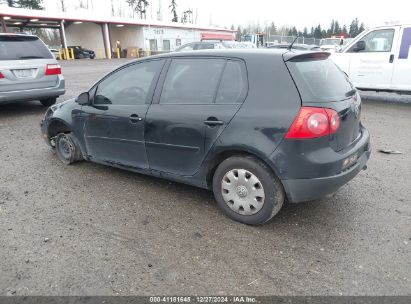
x,y
88,229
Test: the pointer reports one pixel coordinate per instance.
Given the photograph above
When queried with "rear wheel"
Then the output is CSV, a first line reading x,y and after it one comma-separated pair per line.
x,y
48,102
67,148
247,190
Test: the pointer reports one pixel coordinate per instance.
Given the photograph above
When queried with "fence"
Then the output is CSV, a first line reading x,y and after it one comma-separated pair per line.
x,y
278,39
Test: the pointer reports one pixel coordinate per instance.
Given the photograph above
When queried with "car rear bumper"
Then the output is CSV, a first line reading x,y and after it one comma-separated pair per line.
x,y
34,94
308,189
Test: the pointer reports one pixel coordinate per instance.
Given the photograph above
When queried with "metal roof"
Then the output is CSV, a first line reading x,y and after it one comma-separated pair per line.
x,y
43,18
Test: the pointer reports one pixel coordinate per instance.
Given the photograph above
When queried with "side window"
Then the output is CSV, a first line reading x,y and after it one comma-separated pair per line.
x,y
233,85
128,86
188,47
378,41
204,46
192,81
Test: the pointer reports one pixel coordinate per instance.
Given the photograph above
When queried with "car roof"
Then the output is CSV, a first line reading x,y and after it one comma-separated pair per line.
x,y
239,53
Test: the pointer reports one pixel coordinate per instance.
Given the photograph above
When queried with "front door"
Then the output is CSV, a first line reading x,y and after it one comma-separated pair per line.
x,y
198,99
114,123
373,66
401,79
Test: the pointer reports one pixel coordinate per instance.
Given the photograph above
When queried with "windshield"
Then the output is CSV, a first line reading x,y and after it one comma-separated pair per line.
x,y
320,80
330,42
23,47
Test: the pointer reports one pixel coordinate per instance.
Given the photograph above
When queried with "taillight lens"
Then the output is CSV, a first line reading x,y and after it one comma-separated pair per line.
x,y
314,122
1,75
53,69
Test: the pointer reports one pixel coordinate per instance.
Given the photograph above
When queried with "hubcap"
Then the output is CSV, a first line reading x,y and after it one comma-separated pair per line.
x,y
65,147
242,191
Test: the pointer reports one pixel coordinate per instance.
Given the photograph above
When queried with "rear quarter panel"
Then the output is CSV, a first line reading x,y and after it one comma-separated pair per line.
x,y
270,108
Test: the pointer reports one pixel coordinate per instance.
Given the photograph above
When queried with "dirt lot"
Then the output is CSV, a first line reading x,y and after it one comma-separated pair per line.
x,y
87,229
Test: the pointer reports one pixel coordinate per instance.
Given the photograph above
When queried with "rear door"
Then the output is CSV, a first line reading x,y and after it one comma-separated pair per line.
x,y
23,61
114,123
401,79
373,67
198,98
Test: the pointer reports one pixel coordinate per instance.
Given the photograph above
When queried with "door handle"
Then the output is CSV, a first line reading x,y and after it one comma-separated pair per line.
x,y
213,121
134,118
392,58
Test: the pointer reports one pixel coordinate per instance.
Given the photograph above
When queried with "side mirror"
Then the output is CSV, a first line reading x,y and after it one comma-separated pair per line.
x,y
83,99
359,46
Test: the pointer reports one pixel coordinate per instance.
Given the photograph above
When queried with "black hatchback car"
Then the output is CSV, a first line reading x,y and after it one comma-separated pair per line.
x,y
256,127
81,53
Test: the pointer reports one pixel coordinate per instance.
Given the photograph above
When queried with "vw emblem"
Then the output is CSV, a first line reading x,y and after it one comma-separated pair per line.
x,y
356,106
356,109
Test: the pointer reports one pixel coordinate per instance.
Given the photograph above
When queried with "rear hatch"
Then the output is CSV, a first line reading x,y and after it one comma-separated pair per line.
x,y
322,84
23,62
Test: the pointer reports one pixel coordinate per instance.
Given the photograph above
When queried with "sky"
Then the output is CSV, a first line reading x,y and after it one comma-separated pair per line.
x,y
297,13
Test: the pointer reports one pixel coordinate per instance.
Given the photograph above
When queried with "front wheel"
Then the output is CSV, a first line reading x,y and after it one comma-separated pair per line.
x,y
67,148
247,190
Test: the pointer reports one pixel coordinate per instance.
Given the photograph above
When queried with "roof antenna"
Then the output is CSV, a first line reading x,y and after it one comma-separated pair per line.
x,y
292,43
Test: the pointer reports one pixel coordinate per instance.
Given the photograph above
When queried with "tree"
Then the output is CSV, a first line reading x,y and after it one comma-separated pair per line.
x,y
63,5
354,28
318,33
173,6
187,16
305,32
139,6
344,30
238,34
361,28
31,4
337,29
273,29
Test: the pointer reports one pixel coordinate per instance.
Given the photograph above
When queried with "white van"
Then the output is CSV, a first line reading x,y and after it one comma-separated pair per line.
x,y
379,59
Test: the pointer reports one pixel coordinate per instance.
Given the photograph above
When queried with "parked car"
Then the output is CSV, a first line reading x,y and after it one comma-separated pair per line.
x,y
296,46
379,59
55,52
206,45
81,53
331,44
28,70
216,119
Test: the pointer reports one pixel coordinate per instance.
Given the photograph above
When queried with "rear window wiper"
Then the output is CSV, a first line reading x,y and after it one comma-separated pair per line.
x,y
350,93
31,57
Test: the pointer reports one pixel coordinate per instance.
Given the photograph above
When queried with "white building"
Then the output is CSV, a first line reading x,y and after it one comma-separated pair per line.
x,y
106,33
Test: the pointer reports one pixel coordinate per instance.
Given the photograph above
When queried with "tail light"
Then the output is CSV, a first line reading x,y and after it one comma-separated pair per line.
x,y
53,69
1,76
314,122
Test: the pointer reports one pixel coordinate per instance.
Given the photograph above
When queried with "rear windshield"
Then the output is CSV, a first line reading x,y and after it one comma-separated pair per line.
x,y
320,80
23,47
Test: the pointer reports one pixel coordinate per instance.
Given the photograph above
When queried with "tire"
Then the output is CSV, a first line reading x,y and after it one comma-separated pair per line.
x,y
68,151
48,102
252,197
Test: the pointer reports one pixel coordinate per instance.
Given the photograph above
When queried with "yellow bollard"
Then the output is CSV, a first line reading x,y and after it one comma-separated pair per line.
x,y
60,55
118,53
66,51
101,54
72,54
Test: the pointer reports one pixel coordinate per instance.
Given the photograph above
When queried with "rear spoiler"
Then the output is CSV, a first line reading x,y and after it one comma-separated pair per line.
x,y
306,56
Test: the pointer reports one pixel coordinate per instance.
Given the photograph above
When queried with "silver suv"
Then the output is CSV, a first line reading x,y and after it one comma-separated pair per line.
x,y
28,70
